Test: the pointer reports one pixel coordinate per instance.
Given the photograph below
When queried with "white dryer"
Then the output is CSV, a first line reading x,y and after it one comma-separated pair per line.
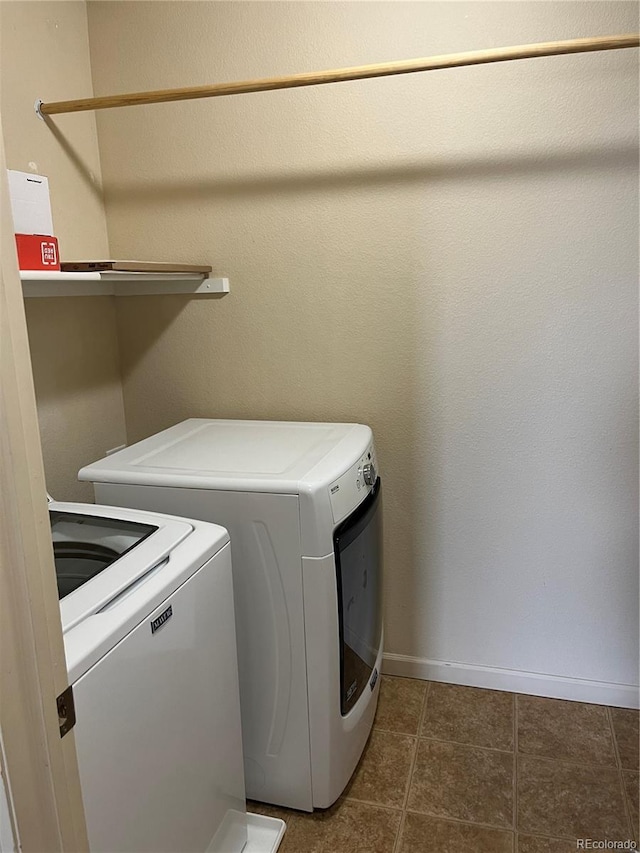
x,y
302,503
149,637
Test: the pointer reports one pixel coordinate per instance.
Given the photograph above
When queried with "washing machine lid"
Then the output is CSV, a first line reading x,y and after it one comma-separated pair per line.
x,y
267,456
102,552
84,546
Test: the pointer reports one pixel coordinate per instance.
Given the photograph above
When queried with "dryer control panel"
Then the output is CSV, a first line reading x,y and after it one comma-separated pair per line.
x,y
354,485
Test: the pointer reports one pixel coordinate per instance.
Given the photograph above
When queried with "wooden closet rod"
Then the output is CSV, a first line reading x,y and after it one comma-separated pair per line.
x,y
361,72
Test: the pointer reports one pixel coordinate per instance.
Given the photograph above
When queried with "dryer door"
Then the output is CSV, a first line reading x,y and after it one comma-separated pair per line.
x,y
358,555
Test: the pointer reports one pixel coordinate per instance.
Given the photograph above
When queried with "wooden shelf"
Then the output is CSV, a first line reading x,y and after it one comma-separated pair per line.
x,y
113,283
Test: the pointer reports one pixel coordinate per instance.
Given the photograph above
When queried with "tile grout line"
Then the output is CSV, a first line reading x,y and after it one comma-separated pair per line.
x,y
397,844
625,799
535,757
470,745
373,803
415,755
449,819
546,835
614,741
515,773
423,711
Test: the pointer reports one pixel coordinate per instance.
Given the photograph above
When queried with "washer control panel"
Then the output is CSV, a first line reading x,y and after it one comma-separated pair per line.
x,y
354,485
369,473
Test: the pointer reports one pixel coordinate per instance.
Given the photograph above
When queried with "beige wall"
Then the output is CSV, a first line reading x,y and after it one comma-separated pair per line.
x,y
44,53
450,258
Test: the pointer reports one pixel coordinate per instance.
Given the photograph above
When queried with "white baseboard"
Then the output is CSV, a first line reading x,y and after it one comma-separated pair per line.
x,y
514,681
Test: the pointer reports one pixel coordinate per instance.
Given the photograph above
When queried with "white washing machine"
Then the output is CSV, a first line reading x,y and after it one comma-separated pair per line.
x,y
149,636
302,503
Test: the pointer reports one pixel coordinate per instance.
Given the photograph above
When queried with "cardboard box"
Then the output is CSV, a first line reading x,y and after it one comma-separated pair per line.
x,y
37,252
30,204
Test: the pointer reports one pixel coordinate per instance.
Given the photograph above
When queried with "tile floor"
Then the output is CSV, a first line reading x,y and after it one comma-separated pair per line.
x,y
451,769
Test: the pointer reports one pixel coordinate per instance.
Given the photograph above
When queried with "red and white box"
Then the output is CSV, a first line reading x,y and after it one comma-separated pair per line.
x,y
37,252
33,223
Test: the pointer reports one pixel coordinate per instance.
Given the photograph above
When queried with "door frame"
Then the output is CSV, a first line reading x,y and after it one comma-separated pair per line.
x,y
39,767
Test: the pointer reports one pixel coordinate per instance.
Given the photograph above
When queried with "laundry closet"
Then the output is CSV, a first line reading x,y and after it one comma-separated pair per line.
x,y
449,257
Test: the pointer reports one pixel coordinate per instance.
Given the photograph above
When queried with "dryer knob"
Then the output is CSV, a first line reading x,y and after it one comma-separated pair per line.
x,y
369,473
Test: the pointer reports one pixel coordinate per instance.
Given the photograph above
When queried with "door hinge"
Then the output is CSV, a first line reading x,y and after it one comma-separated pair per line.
x,y
66,711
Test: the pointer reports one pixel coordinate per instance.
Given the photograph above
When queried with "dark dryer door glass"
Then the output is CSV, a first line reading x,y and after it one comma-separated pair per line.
x,y
84,545
358,552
